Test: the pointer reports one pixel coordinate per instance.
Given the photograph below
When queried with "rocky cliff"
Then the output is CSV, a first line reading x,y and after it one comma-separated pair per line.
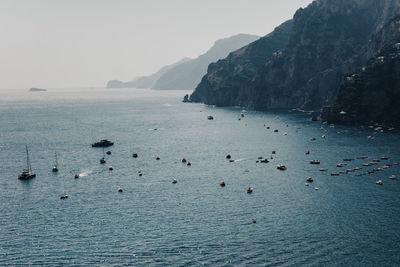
x,y
372,93
302,62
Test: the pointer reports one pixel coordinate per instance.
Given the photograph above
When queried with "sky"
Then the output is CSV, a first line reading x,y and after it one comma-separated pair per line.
x,y
85,43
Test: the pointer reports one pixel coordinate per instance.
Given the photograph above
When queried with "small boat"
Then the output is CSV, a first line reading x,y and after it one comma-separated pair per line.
x,y
157,158
379,182
222,184
103,159
366,164
313,139
27,173
335,174
315,161
103,143
306,184
310,180
324,136
308,152
281,167
340,165
276,130
228,156
376,160
135,155
65,196
250,190
362,157
253,220
273,152
323,170
174,181
77,176
210,117
55,168
189,163
184,160
242,115
393,177
108,152
264,161
110,168
348,159
316,188
356,168
120,189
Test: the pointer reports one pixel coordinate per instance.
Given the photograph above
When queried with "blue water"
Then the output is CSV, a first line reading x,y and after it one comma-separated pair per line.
x,y
349,221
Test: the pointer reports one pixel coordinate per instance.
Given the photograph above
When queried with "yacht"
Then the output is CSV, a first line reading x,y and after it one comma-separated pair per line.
x,y
27,173
103,143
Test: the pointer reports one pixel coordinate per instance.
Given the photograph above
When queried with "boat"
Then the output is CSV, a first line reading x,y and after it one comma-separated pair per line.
x,y
174,181
103,143
250,190
393,177
310,180
27,173
65,196
264,161
348,159
210,118
281,167
103,159
222,184
315,161
362,157
55,168
379,182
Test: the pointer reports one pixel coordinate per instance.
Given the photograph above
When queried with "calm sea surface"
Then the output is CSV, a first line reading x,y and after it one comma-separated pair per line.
x,y
349,221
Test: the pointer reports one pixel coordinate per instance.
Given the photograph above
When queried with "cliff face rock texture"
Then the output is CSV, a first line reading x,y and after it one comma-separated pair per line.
x,y
302,62
372,93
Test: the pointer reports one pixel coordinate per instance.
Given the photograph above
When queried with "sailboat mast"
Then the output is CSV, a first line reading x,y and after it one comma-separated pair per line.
x,y
55,155
27,159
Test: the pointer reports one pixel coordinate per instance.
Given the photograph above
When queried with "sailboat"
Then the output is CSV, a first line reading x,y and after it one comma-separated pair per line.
x,y
27,173
55,168
102,160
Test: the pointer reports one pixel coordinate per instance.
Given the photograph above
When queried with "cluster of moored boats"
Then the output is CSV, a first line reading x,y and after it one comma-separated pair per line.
x,y
28,174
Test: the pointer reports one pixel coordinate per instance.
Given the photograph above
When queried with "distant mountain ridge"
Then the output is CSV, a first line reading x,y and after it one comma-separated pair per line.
x,y
145,81
301,64
187,73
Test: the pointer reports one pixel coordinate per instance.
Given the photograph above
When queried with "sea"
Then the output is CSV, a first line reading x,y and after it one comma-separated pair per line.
x,y
344,220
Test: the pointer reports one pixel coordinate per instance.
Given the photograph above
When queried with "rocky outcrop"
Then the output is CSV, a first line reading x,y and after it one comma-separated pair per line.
x,y
302,62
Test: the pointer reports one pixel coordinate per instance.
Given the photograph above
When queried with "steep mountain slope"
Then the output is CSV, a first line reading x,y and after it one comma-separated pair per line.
x,y
327,40
372,93
188,75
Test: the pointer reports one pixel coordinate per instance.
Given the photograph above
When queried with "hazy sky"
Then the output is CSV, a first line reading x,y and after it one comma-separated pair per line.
x,y
73,43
